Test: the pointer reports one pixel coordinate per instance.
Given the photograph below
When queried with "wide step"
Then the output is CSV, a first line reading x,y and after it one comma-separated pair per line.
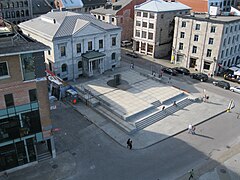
x,y
44,156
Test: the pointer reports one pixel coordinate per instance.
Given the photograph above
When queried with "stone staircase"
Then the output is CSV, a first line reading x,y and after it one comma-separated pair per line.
x,y
162,114
44,156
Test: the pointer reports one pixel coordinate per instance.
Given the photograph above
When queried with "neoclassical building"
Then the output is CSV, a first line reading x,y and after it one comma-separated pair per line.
x,y
80,44
16,11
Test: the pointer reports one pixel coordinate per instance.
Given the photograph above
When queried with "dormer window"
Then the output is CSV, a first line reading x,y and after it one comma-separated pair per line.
x,y
116,7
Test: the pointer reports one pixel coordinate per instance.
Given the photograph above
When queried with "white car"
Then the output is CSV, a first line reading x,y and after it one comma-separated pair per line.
x,y
235,89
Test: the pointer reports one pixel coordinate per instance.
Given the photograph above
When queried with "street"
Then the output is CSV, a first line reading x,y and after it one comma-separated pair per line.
x,y
86,152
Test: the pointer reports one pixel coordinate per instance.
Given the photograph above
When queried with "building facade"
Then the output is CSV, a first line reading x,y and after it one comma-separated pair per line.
x,y
120,13
80,44
154,25
16,11
206,44
25,124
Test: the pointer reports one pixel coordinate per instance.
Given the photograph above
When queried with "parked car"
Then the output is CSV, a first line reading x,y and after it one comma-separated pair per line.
x,y
199,76
222,84
235,89
182,70
232,78
170,71
126,43
132,54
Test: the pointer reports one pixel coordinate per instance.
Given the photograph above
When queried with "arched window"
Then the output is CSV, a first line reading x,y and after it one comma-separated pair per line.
x,y
8,5
12,5
3,15
79,64
13,14
64,68
27,13
1,6
21,4
17,4
22,13
113,56
17,14
8,14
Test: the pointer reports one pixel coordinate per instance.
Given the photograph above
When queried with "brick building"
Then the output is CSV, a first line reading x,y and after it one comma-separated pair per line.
x,y
25,124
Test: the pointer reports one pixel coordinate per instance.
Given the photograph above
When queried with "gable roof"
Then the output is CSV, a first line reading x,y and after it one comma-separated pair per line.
x,y
161,6
110,10
63,23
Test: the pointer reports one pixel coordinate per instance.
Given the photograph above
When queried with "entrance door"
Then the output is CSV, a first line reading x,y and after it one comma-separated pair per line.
x,y
192,62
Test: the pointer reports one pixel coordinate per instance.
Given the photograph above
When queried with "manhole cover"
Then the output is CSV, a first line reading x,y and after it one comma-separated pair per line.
x,y
55,166
223,171
74,154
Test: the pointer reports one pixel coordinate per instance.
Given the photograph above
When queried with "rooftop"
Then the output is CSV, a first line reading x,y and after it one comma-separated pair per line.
x,y
161,6
111,8
64,23
71,4
93,2
13,42
217,19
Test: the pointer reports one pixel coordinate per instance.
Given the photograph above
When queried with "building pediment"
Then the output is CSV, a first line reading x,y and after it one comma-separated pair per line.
x,y
88,29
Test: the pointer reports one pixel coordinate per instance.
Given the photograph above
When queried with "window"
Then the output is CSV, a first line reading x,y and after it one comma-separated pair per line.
x,y
183,23
235,29
64,68
28,67
112,19
103,18
210,41
182,34
78,48
149,48
9,100
145,14
113,56
196,37
151,15
209,53
229,40
233,39
162,16
197,27
89,45
79,64
150,35
49,52
137,33
222,53
226,53
180,46
144,24
213,29
100,42
143,46
231,28
206,65
151,25
138,23
63,51
231,50
224,42
32,95
113,41
226,30
194,49
139,14
3,69
144,34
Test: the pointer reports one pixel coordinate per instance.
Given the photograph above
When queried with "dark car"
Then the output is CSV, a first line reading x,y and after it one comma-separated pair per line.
x,y
232,78
182,70
132,54
199,76
170,71
222,84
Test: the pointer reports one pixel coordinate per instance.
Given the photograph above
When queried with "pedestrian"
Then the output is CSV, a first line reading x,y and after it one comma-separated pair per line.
x,y
174,103
128,143
169,79
190,174
163,108
190,128
193,130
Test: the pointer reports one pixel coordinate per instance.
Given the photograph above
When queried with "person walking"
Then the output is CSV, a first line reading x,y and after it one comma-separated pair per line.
x,y
193,130
190,174
190,128
163,108
128,143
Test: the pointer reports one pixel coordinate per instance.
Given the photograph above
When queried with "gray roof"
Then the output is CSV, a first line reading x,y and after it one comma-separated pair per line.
x,y
41,6
161,6
103,10
93,2
215,19
66,24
